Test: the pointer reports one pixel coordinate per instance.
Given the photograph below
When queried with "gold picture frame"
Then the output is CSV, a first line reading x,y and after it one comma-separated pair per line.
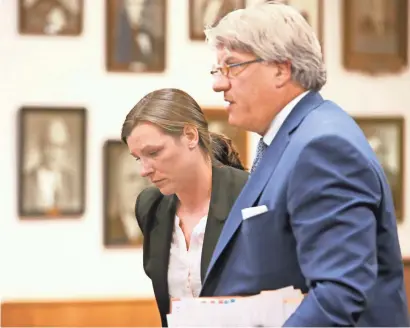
x,y
311,10
375,35
136,36
208,12
51,162
50,17
387,138
122,185
218,122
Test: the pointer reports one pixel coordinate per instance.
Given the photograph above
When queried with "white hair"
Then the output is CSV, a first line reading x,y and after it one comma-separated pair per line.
x,y
274,32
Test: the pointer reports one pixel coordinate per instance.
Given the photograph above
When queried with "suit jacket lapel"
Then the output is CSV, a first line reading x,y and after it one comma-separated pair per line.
x,y
219,208
220,204
258,180
162,234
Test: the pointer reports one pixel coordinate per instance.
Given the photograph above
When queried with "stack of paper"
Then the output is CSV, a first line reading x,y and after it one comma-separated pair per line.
x,y
267,309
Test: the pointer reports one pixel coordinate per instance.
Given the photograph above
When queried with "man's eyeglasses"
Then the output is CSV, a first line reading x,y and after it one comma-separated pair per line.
x,y
233,69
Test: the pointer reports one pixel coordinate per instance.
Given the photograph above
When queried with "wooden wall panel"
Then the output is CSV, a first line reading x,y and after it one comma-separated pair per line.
x,y
407,279
112,313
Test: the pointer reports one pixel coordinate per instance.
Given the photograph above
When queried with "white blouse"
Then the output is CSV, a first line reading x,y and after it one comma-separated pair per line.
x,y
184,269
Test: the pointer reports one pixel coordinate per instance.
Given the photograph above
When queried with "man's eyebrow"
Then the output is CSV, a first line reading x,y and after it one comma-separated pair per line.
x,y
227,59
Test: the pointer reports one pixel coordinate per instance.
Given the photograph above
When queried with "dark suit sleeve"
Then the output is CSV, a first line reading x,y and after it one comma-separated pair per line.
x,y
332,197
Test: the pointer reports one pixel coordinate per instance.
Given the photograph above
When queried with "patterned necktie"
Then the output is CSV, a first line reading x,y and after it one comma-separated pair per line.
x,y
259,153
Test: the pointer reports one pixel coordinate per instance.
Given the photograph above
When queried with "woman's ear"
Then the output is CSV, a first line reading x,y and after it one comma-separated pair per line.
x,y
191,136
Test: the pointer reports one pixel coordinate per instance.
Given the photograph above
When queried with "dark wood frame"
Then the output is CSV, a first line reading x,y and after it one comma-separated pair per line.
x,y
399,122
106,187
24,31
192,35
111,66
20,161
406,264
241,142
375,63
320,15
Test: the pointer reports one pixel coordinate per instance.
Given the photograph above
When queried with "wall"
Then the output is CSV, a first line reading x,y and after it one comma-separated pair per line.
x,y
89,313
66,259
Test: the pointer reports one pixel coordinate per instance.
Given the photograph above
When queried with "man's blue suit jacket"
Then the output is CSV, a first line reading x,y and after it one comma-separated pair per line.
x,y
330,228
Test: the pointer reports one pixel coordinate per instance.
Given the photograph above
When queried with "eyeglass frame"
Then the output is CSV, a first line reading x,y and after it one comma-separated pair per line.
x,y
227,67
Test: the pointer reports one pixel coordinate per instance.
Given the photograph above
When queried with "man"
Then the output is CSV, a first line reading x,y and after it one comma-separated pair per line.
x,y
323,215
123,229
48,186
139,39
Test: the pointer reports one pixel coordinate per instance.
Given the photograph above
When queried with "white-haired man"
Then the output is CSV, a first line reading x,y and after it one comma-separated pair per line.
x,y
323,216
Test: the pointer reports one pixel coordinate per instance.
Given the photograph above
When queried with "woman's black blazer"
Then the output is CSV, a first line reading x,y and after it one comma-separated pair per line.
x,y
155,215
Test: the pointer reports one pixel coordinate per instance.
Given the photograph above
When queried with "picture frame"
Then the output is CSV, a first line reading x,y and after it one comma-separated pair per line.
x,y
218,122
136,36
209,12
122,185
51,154
312,10
50,17
375,36
386,136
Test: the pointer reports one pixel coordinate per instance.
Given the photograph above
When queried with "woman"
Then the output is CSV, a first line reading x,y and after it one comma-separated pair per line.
x,y
197,176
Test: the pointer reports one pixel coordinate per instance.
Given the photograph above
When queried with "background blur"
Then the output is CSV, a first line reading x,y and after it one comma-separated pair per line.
x,y
83,59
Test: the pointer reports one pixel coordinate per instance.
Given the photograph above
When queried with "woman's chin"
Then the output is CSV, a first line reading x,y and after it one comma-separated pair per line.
x,y
166,190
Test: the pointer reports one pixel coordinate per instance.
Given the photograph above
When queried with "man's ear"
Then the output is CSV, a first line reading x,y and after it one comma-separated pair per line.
x,y
191,135
283,74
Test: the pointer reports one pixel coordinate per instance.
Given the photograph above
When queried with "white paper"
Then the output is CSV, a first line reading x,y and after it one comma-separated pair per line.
x,y
268,309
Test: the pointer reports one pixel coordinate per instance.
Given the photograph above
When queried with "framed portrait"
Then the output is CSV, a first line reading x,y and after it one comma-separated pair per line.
x,y
51,17
218,123
208,12
386,137
136,35
122,185
375,35
51,162
311,10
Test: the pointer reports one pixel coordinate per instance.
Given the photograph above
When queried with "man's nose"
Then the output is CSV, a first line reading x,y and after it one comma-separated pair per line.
x,y
221,83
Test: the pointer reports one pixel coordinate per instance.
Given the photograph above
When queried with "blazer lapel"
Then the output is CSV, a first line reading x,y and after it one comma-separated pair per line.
x,y
219,208
161,233
258,180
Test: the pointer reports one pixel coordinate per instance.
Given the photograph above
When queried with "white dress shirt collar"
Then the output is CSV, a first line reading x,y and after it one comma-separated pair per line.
x,y
280,118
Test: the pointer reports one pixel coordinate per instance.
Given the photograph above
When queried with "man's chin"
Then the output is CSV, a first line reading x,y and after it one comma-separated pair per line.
x,y
238,123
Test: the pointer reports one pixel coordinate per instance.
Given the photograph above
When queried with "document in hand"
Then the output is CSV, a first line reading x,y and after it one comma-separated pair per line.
x,y
267,309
